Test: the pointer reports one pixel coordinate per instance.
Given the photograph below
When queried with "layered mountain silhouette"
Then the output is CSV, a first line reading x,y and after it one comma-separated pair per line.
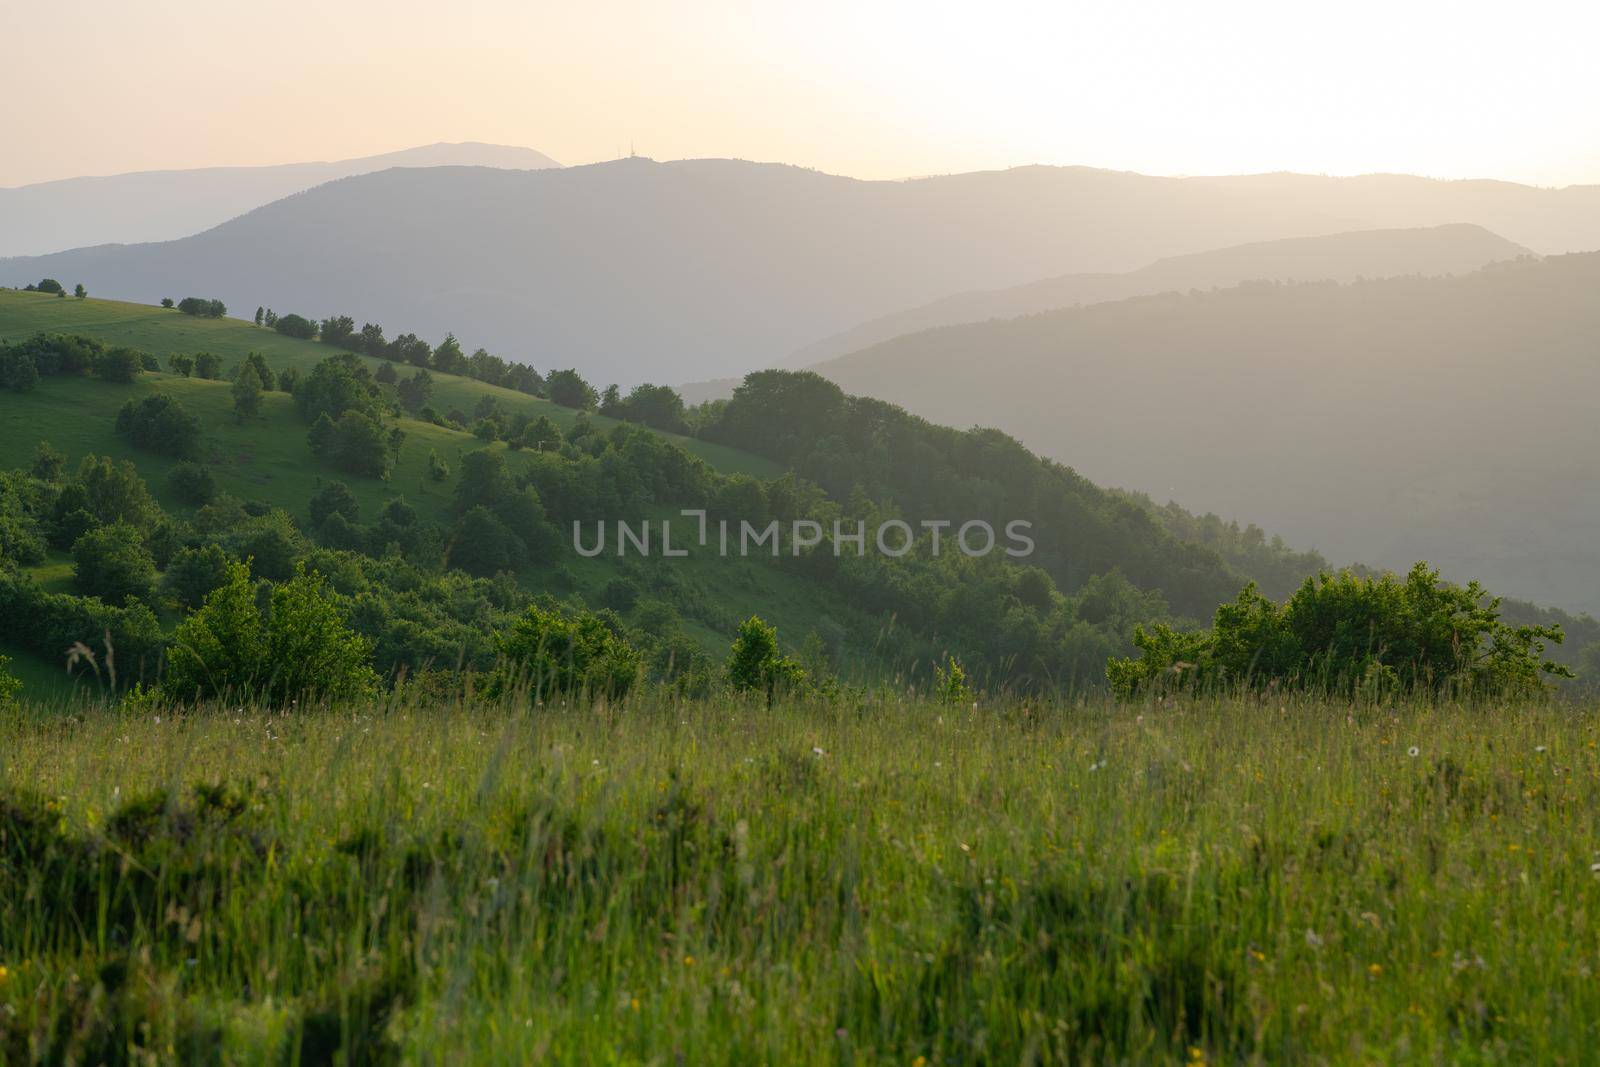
x,y
1450,249
1448,419
161,205
635,270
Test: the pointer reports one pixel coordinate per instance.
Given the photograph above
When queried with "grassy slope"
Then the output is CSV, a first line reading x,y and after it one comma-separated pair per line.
x,y
163,331
712,883
267,458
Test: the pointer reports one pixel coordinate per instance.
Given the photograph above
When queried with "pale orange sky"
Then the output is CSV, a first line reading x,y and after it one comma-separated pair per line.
x,y
861,88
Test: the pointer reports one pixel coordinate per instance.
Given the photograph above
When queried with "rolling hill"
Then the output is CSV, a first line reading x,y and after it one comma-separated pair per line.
x,y
635,270
163,205
1447,419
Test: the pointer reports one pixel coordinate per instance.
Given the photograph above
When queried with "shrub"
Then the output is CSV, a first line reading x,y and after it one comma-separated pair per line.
x,y
334,498
1348,634
292,325
194,574
297,647
203,308
120,365
160,424
552,653
111,562
193,484
207,365
756,664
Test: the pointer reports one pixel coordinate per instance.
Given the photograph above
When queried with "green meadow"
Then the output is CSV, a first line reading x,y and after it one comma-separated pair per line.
x,y
885,880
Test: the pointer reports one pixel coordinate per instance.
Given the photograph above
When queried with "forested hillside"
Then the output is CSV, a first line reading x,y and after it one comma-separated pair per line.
x,y
1380,421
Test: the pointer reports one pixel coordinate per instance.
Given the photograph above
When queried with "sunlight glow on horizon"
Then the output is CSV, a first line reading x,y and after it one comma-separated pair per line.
x,y
873,90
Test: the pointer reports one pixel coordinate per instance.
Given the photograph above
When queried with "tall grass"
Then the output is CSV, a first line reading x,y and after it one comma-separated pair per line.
x,y
884,882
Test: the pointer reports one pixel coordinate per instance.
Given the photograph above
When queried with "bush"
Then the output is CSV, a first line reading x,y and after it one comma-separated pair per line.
x,y
334,498
111,562
193,484
755,663
208,366
292,325
120,365
551,653
356,444
200,307
296,648
160,424
194,574
1352,635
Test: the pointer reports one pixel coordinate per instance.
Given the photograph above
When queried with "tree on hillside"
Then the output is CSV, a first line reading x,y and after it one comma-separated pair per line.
x,y
166,302
260,314
548,653
246,392
121,365
448,357
269,381
79,291
299,648
292,325
416,391
180,364
338,330
567,388
160,424
49,285
111,562
335,498
203,308
208,366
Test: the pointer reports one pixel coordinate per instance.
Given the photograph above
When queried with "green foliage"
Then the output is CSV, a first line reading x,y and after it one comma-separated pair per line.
x,y
160,424
194,573
483,545
10,686
356,444
247,392
334,498
192,483
208,366
1353,635
756,664
336,385
297,647
112,563
120,365
103,491
567,388
48,285
258,362
292,325
950,684
200,307
438,469
548,653
79,291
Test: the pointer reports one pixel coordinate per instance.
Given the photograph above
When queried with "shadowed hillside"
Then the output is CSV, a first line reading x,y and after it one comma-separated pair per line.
x,y
1445,418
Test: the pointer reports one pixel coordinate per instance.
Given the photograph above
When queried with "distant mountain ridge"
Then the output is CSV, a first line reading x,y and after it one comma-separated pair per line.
x,y
163,205
1455,248
634,270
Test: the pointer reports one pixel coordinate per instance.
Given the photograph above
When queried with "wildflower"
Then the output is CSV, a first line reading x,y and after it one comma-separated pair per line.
x,y
1538,748
688,961
1413,751
5,975
816,751
1312,940
1374,969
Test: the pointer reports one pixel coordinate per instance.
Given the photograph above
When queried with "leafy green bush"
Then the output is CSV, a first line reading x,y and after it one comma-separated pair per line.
x,y
160,424
1348,634
551,653
112,563
755,663
297,647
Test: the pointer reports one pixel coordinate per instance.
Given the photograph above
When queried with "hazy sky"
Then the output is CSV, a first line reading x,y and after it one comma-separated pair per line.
x,y
848,86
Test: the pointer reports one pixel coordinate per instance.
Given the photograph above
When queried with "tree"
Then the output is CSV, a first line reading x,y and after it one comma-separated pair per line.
x,y
292,325
416,391
269,381
50,285
448,357
246,392
338,330
438,469
372,342
120,365
18,371
482,545
207,366
755,663
160,424
49,463
193,484
260,314
409,348
385,374
548,653
336,385
194,573
298,649
203,308
79,291
166,301
355,444
335,498
181,364
111,562
567,388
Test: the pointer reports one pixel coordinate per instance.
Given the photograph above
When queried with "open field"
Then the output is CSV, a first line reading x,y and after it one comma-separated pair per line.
x,y
878,880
